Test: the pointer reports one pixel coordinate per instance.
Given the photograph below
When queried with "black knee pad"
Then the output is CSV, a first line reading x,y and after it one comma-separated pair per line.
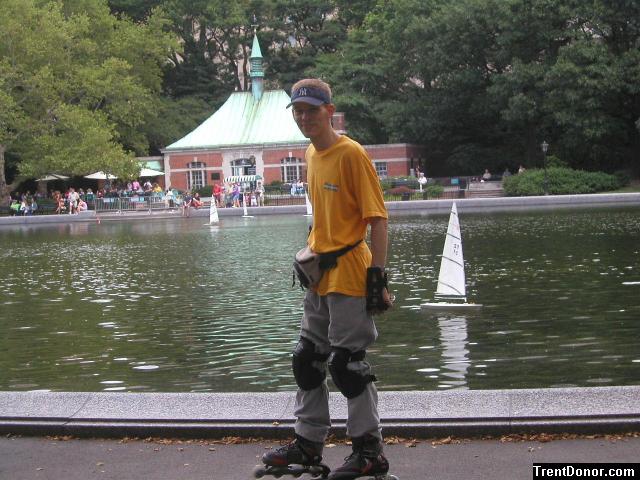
x,y
350,383
307,375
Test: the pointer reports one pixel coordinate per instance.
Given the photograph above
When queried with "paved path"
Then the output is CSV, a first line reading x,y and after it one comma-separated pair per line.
x,y
42,458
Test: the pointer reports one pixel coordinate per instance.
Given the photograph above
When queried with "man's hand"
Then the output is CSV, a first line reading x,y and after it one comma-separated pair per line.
x,y
378,297
387,298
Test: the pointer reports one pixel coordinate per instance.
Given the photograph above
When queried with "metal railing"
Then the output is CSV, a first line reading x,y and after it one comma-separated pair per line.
x,y
150,204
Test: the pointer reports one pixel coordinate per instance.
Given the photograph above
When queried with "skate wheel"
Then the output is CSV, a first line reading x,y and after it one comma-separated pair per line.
x,y
259,472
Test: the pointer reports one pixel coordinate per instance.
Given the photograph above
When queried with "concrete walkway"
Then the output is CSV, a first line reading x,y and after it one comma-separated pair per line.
x,y
270,415
416,206
55,459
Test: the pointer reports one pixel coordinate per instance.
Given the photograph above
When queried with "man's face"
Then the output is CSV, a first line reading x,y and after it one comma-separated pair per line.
x,y
312,120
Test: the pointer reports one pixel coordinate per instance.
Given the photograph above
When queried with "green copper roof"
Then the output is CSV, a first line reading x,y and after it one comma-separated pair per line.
x,y
242,121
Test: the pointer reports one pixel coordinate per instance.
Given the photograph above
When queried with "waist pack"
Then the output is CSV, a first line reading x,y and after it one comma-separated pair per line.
x,y
309,266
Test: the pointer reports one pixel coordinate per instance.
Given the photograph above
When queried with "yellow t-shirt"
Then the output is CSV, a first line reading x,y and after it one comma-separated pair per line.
x,y
345,192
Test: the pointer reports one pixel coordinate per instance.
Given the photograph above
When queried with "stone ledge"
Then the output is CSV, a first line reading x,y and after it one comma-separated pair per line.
x,y
413,414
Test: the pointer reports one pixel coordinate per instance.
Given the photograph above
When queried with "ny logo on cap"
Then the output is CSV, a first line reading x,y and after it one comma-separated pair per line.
x,y
302,92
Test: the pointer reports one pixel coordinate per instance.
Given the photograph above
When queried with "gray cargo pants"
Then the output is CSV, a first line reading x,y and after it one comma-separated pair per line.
x,y
340,321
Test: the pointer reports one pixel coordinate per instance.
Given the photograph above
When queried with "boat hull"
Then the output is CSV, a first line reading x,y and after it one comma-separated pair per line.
x,y
445,306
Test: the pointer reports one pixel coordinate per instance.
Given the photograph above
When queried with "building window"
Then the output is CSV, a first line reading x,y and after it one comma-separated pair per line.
x,y
292,169
196,175
243,166
381,169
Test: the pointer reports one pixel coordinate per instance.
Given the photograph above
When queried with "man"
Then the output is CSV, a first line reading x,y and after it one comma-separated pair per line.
x,y
186,204
336,326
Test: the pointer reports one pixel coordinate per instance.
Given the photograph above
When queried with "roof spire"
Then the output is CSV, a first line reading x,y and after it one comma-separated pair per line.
x,y
257,72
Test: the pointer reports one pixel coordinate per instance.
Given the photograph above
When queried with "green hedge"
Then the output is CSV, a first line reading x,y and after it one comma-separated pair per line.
x,y
206,191
560,181
393,182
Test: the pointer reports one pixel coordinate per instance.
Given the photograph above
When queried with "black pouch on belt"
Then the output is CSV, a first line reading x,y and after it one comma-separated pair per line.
x,y
309,266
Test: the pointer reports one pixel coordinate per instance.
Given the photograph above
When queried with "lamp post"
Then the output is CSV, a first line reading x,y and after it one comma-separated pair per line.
x,y
545,146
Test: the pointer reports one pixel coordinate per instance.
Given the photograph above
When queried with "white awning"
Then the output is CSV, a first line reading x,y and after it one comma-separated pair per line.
x,y
148,172
100,176
242,178
52,176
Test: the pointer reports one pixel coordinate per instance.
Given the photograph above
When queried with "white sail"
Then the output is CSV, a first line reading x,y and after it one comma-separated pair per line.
x,y
244,206
451,283
308,202
213,212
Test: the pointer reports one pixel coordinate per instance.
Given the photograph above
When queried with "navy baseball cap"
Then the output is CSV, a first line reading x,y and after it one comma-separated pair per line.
x,y
310,95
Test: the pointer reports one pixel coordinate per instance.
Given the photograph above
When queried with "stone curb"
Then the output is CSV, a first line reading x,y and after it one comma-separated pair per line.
x,y
408,414
495,204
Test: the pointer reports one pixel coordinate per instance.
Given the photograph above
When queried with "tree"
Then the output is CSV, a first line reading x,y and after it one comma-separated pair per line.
x,y
483,82
76,87
594,88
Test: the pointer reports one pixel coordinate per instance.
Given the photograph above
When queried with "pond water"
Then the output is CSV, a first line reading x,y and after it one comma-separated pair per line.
x,y
178,306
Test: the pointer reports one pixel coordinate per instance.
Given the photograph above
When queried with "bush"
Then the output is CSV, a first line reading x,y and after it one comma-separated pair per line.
x,y
624,177
554,161
410,182
385,183
276,188
206,191
433,191
560,181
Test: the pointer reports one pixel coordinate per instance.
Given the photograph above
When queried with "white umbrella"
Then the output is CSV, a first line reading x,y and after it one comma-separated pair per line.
x,y
52,176
148,172
100,176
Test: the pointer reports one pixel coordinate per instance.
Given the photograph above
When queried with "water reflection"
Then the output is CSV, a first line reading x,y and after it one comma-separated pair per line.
x,y
455,355
182,306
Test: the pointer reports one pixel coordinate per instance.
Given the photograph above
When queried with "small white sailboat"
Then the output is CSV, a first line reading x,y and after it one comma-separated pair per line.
x,y
309,207
213,212
451,293
244,206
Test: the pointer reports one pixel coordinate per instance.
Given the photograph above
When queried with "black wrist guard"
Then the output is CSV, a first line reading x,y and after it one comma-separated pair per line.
x,y
376,282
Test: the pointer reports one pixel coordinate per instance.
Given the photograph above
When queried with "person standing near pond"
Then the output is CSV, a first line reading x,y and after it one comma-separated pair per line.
x,y
337,326
187,201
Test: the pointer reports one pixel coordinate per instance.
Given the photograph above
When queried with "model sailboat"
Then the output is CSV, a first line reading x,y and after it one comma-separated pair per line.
x,y
213,212
451,293
308,204
244,208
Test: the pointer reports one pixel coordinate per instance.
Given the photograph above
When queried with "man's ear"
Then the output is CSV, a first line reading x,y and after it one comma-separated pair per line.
x,y
331,108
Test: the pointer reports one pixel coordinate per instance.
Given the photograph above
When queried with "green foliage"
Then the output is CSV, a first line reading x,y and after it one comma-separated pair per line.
x,y
555,161
559,181
206,191
480,82
78,86
433,191
399,181
385,184
623,177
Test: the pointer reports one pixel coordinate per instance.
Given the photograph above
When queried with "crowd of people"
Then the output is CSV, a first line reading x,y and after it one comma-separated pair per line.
x,y
23,204
75,200
229,195
129,189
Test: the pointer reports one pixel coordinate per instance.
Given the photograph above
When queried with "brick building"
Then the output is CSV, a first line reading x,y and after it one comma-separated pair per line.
x,y
254,134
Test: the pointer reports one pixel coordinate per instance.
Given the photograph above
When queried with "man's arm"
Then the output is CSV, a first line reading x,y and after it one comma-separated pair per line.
x,y
379,241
